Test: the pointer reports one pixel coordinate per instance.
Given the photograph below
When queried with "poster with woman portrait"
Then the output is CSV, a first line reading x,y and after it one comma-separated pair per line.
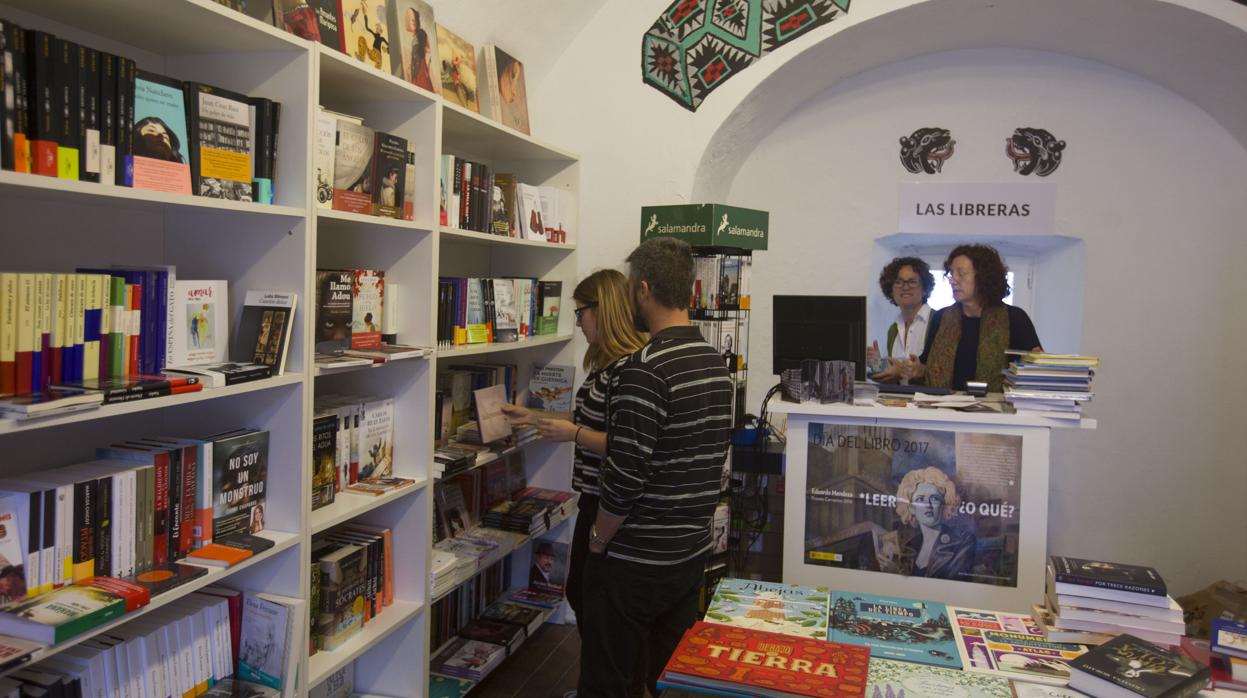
x,y
914,502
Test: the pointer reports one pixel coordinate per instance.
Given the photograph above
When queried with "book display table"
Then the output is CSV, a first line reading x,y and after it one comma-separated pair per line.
x,y
919,503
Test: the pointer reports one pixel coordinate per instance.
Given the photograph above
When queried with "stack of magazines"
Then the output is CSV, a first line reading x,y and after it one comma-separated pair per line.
x,y
1050,385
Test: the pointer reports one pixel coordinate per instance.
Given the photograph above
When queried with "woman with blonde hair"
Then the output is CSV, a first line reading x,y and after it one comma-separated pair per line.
x,y
604,315
926,500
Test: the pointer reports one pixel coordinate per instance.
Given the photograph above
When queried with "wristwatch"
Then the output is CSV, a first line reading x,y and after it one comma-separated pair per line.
x,y
594,538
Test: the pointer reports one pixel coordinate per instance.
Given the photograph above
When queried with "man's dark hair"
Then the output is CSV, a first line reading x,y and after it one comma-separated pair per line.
x,y
666,264
991,281
887,277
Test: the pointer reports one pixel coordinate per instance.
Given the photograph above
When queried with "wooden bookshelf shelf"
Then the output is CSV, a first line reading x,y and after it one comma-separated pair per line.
x,y
62,191
12,426
281,540
499,347
471,237
344,80
325,662
463,128
348,505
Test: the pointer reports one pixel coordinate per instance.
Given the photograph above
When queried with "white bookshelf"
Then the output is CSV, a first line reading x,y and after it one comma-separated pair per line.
x,y
255,246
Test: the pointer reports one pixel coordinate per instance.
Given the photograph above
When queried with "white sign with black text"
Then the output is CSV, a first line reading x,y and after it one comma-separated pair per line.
x,y
989,208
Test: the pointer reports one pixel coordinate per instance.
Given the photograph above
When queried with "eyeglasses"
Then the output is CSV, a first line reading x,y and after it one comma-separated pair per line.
x,y
958,274
906,283
580,310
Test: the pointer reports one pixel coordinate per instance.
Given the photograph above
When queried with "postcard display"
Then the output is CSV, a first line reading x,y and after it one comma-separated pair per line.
x,y
866,486
254,246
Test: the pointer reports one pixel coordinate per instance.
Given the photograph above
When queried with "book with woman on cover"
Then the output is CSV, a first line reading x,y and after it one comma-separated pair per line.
x,y
413,44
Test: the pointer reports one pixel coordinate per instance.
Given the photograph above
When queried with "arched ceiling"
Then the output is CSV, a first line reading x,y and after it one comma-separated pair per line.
x,y
1197,48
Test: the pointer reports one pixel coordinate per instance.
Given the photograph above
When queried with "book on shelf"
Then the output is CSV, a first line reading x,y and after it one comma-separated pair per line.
x,y
529,212
61,614
367,307
222,144
326,138
334,303
365,34
161,159
53,402
379,486
265,328
550,300
505,97
807,666
220,375
457,58
550,564
503,217
15,652
413,44
352,167
201,324
234,688
270,651
319,21
343,581
386,353
339,684
377,440
1010,645
324,457
389,174
117,390
162,578
239,482
341,361
530,618
467,659
1127,666
443,687
495,632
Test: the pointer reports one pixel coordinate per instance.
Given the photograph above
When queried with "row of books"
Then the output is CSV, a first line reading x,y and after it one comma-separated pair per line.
x,y
352,582
484,642
73,112
729,337
1050,385
360,358
456,390
483,310
351,309
721,282
352,443
143,505
403,38
986,650
189,647
362,170
475,197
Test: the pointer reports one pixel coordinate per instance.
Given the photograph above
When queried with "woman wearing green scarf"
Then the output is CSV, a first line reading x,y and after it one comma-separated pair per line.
x,y
971,336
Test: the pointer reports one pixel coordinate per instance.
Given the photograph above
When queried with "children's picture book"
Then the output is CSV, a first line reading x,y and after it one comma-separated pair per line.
x,y
458,69
334,304
788,609
160,135
365,35
550,388
1010,645
201,323
906,629
264,330
413,44
367,301
893,679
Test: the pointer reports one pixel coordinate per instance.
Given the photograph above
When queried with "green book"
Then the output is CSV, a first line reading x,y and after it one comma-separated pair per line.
x,y
117,329
61,614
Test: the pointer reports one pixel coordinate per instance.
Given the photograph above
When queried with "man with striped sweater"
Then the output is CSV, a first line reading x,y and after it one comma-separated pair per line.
x,y
668,434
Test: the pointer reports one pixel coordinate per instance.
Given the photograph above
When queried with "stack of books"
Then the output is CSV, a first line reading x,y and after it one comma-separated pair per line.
x,y
1050,385
442,577
533,511
467,659
453,459
1089,602
353,582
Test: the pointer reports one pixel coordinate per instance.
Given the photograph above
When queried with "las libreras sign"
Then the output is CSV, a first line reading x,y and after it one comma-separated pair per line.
x,y
1011,208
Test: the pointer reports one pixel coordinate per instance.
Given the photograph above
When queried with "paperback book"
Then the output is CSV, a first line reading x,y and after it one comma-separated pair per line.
x,y
201,323
240,478
895,628
550,388
352,167
334,294
1010,645
222,144
1071,573
161,160
61,614
506,98
264,331
458,69
367,302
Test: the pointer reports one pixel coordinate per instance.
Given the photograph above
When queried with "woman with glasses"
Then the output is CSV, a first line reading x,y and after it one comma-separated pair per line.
x,y
907,283
969,338
604,314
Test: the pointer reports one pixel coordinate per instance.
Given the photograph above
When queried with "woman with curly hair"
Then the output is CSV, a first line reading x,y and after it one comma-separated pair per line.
x,y
971,336
907,283
927,499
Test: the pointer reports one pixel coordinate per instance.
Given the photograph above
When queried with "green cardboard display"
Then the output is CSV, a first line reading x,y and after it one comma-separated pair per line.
x,y
707,225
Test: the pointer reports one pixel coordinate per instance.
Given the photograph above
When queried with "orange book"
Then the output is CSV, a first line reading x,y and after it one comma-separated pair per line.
x,y
136,595
219,555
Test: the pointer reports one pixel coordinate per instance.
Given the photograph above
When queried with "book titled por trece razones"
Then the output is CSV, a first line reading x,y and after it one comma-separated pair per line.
x,y
1115,576
1127,666
754,662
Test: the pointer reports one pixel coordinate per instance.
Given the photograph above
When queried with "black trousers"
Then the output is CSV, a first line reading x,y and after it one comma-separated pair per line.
x,y
580,548
635,615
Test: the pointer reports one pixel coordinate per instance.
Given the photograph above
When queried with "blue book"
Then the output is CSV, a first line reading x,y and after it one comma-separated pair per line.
x,y
1228,638
894,628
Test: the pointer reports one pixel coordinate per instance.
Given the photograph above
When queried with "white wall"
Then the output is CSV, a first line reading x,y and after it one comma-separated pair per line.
x,y
1149,182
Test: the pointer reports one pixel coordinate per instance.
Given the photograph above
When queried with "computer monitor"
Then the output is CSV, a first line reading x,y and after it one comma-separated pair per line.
x,y
828,328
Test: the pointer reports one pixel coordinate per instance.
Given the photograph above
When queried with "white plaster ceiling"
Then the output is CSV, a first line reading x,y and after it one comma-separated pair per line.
x,y
537,32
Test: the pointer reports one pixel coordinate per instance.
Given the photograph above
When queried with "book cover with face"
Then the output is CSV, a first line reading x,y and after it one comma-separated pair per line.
x,y
458,69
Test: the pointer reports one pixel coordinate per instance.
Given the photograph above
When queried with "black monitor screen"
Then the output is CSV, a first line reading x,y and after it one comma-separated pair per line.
x,y
828,328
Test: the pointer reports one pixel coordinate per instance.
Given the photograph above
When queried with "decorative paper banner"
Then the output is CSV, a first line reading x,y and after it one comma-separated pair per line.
x,y
697,45
993,208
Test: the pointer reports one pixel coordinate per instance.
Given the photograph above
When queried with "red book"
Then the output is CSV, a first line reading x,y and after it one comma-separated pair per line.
x,y
133,340
754,662
158,458
136,595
